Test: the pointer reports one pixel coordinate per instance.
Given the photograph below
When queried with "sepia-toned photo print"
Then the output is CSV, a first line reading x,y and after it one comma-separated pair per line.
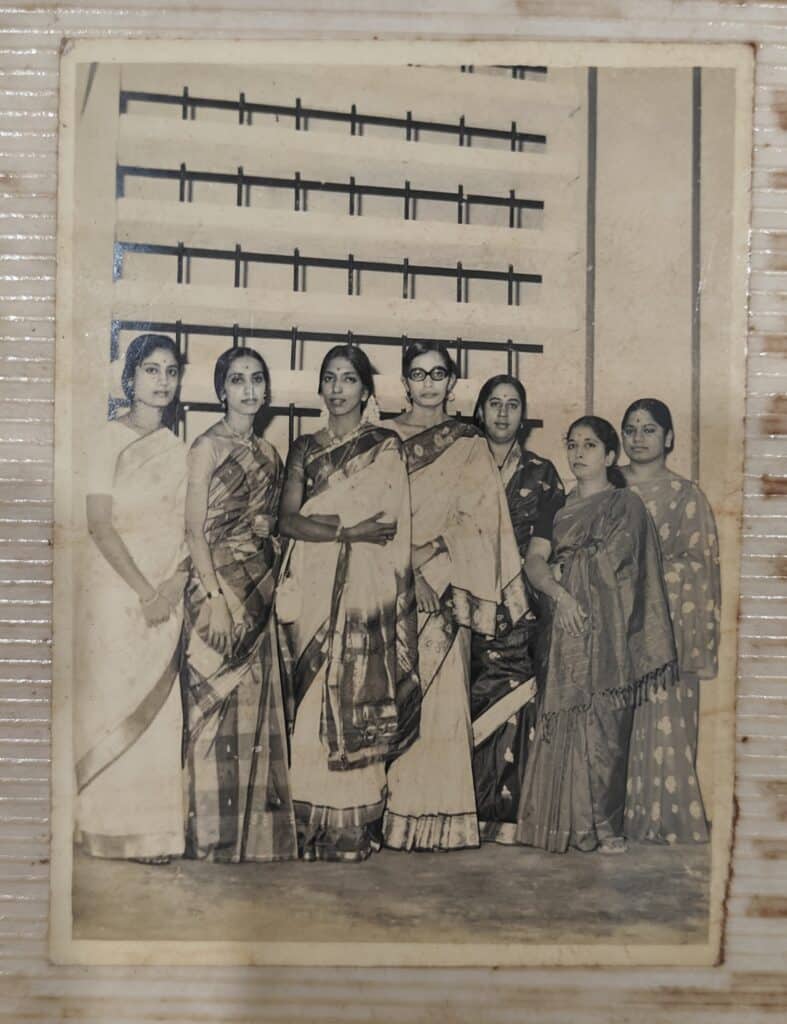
x,y
398,491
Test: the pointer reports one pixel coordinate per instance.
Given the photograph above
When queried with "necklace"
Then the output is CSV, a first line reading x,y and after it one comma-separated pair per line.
x,y
243,438
505,457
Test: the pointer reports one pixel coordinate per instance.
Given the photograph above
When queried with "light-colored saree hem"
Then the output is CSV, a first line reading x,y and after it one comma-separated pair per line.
x,y
127,732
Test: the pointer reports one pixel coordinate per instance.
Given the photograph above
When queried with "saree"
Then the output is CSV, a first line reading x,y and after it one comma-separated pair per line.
x,y
239,805
350,642
127,711
503,685
457,494
663,799
606,551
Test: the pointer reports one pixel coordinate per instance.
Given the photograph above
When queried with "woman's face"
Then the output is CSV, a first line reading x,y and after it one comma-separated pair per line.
x,y
586,456
156,379
643,439
341,387
428,393
244,386
502,413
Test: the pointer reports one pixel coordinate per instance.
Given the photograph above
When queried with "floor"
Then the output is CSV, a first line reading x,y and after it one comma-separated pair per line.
x,y
651,894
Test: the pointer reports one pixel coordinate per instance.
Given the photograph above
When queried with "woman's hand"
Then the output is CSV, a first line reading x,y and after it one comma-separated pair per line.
x,y
220,631
263,526
370,531
172,589
425,596
569,615
156,609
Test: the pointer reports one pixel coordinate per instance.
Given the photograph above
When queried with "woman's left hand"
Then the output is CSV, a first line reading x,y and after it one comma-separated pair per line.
x,y
263,526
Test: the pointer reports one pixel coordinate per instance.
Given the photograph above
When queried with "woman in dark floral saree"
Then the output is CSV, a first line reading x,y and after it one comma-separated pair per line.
x,y
610,647
503,687
239,805
347,607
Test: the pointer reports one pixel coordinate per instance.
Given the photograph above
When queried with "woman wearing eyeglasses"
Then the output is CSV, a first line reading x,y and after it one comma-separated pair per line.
x,y
466,563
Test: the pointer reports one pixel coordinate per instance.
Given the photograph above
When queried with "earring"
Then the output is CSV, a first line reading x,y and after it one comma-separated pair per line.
x,y
451,397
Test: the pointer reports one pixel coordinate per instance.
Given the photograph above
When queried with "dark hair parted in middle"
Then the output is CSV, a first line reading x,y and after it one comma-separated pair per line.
x,y
486,393
608,436
359,361
139,349
660,413
413,349
226,359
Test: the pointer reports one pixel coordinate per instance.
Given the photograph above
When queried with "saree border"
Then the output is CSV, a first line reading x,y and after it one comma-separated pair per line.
x,y
127,732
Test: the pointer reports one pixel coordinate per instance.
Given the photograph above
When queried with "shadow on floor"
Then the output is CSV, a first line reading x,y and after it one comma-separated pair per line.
x,y
651,894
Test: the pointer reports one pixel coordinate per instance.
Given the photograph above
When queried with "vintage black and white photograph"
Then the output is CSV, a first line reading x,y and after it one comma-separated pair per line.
x,y
398,488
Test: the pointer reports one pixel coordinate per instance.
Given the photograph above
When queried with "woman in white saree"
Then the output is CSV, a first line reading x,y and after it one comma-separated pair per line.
x,y
466,563
127,714
346,603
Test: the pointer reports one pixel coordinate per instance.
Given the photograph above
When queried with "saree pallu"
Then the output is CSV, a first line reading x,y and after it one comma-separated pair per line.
x,y
502,671
239,805
351,645
663,801
457,495
574,787
127,709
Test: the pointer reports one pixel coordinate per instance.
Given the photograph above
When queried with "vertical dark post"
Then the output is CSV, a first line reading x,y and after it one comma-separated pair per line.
x,y
182,183
408,128
514,142
407,200
405,278
353,119
238,260
184,113
239,189
235,335
181,254
297,190
462,130
590,243
241,110
460,195
510,284
510,357
296,282
350,274
512,208
352,195
696,252
293,363
458,282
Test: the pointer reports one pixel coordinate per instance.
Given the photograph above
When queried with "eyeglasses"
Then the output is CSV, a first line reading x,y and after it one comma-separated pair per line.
x,y
436,373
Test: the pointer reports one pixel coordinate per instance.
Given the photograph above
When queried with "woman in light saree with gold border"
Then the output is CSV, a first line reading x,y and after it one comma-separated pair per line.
x,y
127,713
467,563
347,607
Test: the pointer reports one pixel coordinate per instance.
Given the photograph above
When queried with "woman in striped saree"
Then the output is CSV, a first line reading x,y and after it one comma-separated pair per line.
x,y
239,805
466,564
347,601
127,714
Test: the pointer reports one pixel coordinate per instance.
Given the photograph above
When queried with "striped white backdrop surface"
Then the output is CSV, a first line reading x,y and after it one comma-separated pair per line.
x,y
752,983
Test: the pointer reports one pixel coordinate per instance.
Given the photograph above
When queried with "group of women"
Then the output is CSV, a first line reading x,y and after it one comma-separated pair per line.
x,y
409,636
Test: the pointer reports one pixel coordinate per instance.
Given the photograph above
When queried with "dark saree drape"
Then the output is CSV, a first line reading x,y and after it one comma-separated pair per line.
x,y
239,805
502,672
350,642
607,554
